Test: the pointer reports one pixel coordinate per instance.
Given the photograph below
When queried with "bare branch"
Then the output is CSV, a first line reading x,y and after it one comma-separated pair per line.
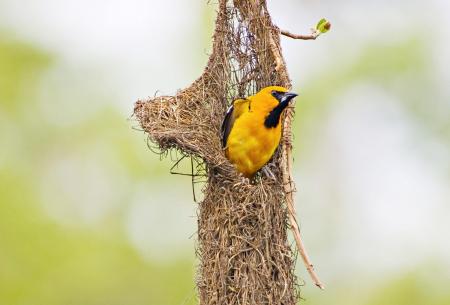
x,y
286,164
311,36
289,189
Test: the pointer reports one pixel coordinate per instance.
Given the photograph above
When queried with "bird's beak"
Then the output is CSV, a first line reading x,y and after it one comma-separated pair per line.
x,y
288,96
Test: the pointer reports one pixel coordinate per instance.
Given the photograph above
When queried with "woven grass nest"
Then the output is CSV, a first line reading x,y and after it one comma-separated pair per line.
x,y
243,249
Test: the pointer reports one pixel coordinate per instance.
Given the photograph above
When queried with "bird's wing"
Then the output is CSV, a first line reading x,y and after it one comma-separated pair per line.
x,y
234,111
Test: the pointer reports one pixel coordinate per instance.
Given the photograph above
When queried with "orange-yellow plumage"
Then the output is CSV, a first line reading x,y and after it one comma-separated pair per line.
x,y
252,129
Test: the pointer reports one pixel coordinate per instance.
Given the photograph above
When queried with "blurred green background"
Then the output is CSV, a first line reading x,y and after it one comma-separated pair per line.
x,y
88,215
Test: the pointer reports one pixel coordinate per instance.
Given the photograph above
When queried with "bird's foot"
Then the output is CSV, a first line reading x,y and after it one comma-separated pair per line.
x,y
266,170
244,180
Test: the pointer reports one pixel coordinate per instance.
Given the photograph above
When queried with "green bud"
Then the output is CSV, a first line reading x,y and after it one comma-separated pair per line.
x,y
323,26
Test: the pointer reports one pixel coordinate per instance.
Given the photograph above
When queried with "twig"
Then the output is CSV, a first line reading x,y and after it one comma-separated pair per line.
x,y
301,248
287,171
322,27
287,180
311,36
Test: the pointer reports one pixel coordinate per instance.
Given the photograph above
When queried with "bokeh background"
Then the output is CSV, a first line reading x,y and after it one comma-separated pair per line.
x,y
89,215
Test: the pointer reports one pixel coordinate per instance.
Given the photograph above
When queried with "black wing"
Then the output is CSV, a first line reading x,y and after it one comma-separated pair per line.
x,y
227,124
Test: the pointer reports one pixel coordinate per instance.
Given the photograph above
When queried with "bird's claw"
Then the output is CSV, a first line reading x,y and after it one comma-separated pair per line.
x,y
266,170
244,180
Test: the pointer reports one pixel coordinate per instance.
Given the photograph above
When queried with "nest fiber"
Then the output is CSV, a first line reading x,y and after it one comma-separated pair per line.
x,y
243,249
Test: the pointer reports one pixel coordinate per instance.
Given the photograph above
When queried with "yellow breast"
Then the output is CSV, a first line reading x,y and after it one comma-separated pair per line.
x,y
250,144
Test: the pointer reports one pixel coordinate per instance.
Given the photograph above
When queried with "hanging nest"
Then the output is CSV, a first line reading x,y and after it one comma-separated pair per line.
x,y
244,253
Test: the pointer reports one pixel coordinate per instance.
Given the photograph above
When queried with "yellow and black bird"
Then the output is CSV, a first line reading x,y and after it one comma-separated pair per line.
x,y
251,130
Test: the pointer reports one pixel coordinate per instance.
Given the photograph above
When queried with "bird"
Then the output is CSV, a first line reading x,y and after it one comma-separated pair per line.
x,y
251,129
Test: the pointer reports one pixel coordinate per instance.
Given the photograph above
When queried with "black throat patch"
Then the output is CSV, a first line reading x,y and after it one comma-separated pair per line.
x,y
273,119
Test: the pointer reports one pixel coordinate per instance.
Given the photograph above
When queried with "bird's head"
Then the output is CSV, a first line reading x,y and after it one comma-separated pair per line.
x,y
275,100
274,96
